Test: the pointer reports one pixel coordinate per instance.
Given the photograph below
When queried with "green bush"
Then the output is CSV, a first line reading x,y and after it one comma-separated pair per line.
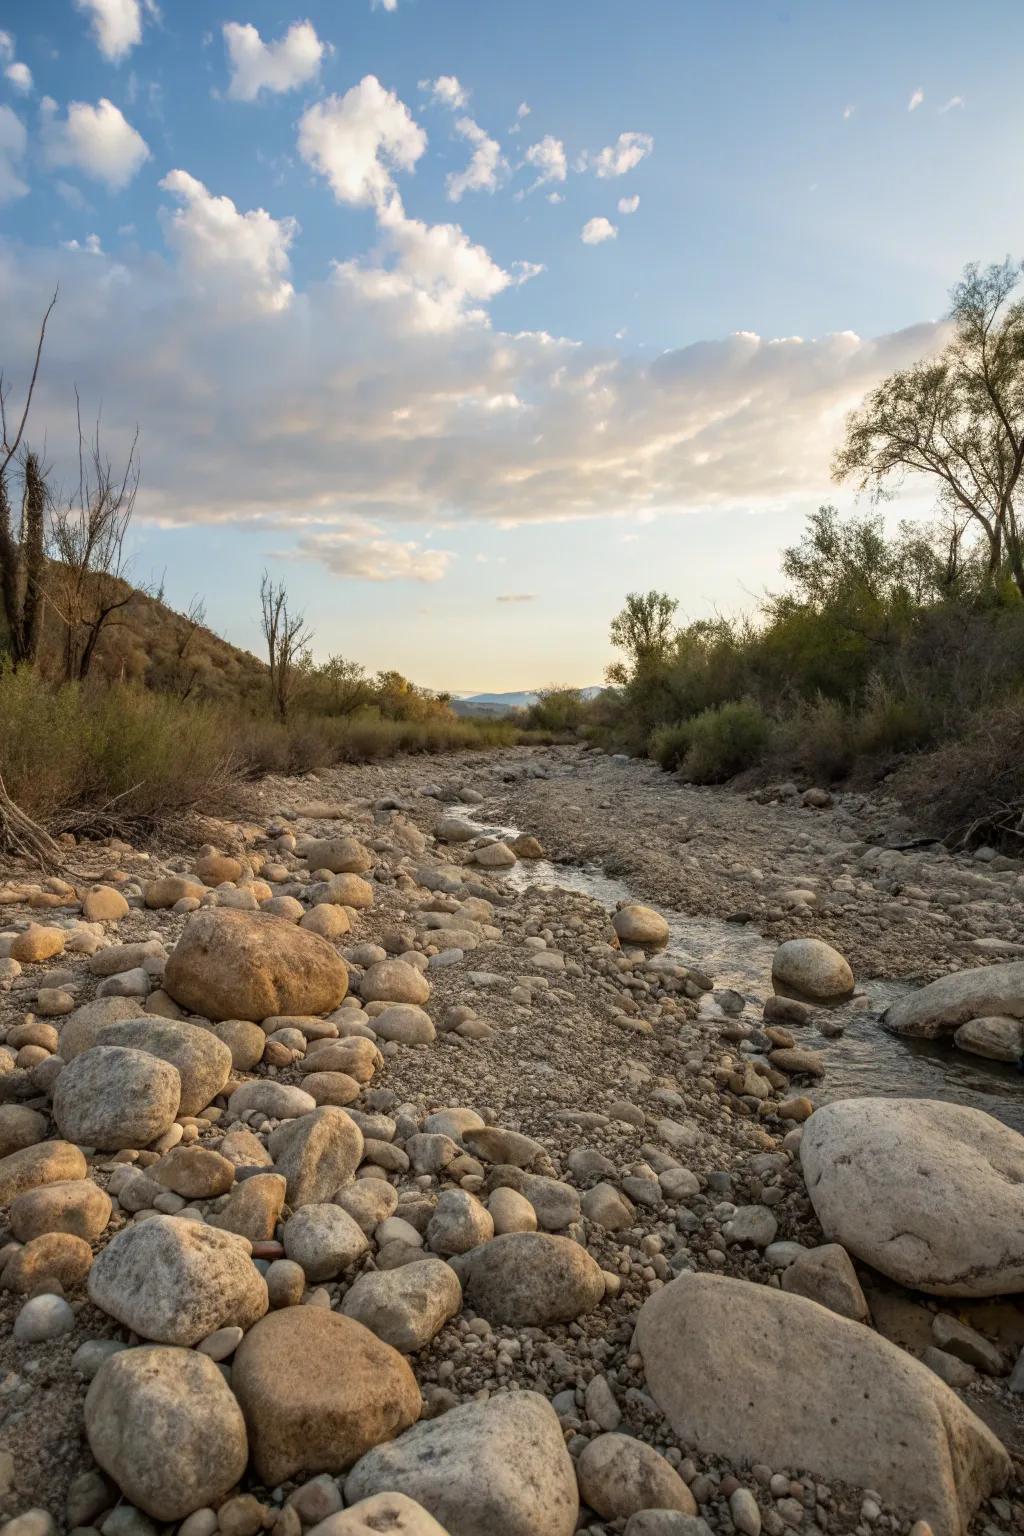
x,y
668,745
724,741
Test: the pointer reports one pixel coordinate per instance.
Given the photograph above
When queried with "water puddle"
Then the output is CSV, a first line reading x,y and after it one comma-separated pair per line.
x,y
865,1060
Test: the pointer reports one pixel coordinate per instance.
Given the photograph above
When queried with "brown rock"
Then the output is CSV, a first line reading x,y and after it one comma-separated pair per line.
x,y
102,904
196,1173
254,1208
79,1207
244,965
318,1390
53,1256
169,889
36,944
50,1162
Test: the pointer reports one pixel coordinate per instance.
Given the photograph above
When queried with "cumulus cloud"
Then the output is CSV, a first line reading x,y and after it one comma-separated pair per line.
x,y
98,141
245,256
486,167
384,5
915,101
342,413
116,24
20,77
275,67
355,141
13,140
374,559
547,157
622,156
629,204
446,91
596,231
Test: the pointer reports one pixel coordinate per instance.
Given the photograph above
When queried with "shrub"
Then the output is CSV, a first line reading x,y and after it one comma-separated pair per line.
x,y
668,745
724,741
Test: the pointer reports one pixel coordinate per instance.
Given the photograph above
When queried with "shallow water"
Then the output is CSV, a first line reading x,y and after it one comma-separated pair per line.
x,y
865,1060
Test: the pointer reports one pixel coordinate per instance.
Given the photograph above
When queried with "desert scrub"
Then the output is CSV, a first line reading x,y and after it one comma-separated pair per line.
x,y
722,742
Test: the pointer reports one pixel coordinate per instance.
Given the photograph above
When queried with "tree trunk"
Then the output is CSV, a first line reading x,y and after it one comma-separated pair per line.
x,y
10,565
32,540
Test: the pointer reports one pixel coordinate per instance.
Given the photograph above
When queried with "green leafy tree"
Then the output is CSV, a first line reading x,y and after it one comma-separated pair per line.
x,y
957,419
644,631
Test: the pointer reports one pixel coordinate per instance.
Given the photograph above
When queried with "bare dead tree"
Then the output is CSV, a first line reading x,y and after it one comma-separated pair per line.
x,y
89,585
288,641
186,673
22,553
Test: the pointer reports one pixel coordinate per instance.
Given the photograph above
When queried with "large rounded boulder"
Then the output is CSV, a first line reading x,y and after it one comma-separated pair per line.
x,y
988,991
203,1062
246,965
531,1279
113,1097
813,969
931,1194
166,1427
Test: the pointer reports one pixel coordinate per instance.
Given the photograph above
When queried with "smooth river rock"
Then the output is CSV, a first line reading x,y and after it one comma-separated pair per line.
x,y
942,1006
856,1409
812,968
531,1279
929,1193
113,1097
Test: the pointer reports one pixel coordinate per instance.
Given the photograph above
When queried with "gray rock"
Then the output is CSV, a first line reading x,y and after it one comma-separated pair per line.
x,y
111,1097
176,1281
497,1468
812,968
41,1318
942,1006
405,1307
202,1061
166,1427
317,1153
995,1038
929,1193
459,1223
858,1409
390,1512
619,1475
827,1276
324,1239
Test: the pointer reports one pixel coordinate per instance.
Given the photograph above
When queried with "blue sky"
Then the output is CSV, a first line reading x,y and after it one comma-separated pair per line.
x,y
401,377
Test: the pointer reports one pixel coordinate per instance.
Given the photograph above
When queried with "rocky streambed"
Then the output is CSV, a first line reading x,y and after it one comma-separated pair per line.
x,y
369,1170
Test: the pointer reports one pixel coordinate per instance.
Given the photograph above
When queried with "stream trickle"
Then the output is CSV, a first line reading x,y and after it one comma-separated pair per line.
x,y
864,1061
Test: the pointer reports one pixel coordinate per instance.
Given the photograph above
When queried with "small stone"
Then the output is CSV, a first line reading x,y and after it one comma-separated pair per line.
x,y
42,1318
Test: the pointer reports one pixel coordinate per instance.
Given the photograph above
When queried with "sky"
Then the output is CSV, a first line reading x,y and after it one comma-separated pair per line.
x,y
463,319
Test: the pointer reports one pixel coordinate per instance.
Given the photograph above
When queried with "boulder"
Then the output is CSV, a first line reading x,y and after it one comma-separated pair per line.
x,y
317,1391
82,1029
281,1101
102,904
111,1097
942,1006
56,1256
857,1408
812,968
496,1468
997,1038
391,1512
929,1193
827,1276
202,1061
195,1173
246,965
345,891
495,856
245,1040
394,981
253,1208
164,1424
531,1279
339,855
168,890
175,1281
640,925
78,1206
619,1475
405,1307
20,1127
324,1240
317,1153
355,1055
36,944
50,1162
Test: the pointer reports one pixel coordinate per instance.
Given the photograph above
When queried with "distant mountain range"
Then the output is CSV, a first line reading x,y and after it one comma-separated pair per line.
x,y
503,703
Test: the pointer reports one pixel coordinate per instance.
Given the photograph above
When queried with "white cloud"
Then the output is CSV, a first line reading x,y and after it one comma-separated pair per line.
x,y
556,197
384,5
596,231
523,110
20,77
952,103
848,112
116,24
629,204
98,141
446,91
6,46
547,157
13,140
244,257
374,559
356,140
486,167
439,273
91,245
342,412
915,100
622,156
258,66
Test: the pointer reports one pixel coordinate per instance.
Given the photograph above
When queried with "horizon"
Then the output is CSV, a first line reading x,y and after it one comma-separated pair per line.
x,y
462,343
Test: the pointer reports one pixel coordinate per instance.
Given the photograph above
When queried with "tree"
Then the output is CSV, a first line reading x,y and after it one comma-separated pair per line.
x,y
89,585
22,555
957,418
345,684
287,640
644,631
